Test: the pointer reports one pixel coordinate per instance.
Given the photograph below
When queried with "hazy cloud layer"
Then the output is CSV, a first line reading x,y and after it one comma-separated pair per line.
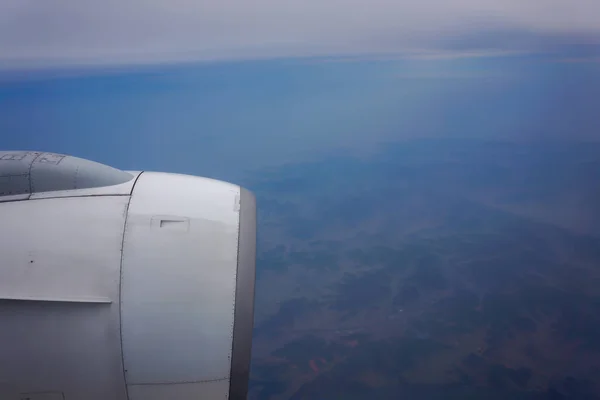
x,y
59,32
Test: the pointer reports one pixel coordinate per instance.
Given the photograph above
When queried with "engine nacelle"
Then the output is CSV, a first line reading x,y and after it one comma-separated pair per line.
x,y
122,285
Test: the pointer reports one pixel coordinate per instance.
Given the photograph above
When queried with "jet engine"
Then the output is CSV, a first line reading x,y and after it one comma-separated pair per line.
x,y
122,285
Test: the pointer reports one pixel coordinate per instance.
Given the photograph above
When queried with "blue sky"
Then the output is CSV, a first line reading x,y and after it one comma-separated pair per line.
x,y
228,118
224,88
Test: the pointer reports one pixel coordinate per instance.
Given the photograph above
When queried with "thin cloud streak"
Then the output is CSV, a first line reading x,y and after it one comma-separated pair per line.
x,y
579,60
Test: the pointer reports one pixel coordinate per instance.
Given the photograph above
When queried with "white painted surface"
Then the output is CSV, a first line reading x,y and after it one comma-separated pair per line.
x,y
62,248
216,390
178,285
64,252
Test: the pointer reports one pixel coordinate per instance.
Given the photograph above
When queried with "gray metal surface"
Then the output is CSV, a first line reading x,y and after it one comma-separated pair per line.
x,y
121,189
59,300
26,172
244,298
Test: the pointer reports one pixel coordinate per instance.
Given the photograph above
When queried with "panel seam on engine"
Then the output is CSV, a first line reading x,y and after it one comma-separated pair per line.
x,y
31,169
121,284
179,382
78,196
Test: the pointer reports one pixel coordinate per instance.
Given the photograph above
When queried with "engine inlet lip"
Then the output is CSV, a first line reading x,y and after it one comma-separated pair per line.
x,y
244,298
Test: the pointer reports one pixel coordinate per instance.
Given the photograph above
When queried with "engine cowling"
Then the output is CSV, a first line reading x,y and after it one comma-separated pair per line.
x,y
122,285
